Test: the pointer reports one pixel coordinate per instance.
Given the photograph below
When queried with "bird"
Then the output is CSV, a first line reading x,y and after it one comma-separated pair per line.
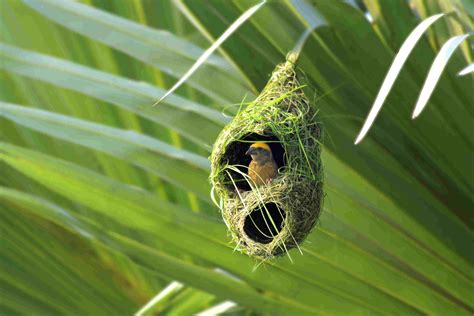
x,y
263,168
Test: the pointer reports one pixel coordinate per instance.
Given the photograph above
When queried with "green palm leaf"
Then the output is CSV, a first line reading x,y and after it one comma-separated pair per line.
x,y
103,203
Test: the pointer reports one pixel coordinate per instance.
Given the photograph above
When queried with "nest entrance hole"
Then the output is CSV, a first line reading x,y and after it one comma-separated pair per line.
x,y
235,155
264,223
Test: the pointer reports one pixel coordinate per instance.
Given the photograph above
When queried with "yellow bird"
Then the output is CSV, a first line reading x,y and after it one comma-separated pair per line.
x,y
263,168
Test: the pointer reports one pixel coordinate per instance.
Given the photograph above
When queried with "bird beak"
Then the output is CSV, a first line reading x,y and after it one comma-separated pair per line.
x,y
250,151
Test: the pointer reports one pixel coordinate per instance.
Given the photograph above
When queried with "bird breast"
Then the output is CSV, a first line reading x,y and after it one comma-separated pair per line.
x,y
262,173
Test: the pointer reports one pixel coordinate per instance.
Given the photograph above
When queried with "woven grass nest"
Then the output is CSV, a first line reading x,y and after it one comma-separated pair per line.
x,y
266,221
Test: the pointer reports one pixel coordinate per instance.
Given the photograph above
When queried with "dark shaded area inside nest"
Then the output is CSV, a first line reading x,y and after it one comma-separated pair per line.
x,y
235,155
264,223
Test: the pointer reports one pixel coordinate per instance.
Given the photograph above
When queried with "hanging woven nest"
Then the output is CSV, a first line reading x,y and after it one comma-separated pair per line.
x,y
268,220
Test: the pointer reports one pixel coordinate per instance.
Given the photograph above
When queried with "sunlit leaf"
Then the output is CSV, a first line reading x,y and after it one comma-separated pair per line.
x,y
467,70
202,59
393,72
435,72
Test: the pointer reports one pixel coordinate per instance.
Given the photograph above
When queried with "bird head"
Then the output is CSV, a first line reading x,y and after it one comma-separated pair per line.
x,y
260,152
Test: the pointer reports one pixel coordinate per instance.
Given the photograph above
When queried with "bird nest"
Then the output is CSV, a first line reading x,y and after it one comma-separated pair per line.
x,y
267,220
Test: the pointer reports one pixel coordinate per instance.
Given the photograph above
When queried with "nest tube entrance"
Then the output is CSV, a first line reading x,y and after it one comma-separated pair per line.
x,y
264,223
275,218
267,220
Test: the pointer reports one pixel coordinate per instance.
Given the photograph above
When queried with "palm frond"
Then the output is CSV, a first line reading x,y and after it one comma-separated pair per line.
x,y
105,200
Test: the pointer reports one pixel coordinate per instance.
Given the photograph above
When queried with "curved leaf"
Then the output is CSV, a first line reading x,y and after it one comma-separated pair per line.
x,y
435,72
202,59
469,68
393,72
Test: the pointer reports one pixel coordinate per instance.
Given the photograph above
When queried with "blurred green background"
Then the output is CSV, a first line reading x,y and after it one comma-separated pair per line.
x,y
104,200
